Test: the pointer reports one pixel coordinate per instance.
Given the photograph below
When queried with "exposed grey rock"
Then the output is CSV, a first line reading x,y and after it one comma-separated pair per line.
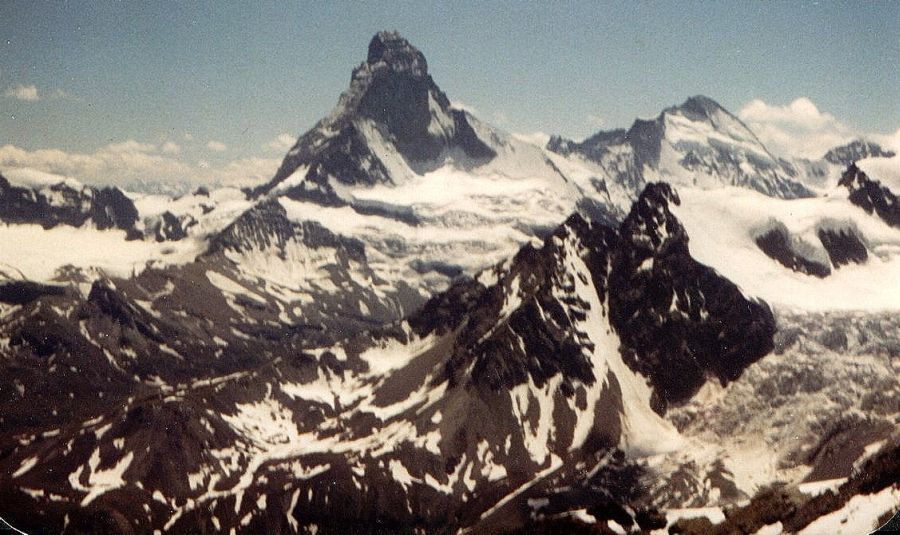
x,y
67,204
855,151
871,196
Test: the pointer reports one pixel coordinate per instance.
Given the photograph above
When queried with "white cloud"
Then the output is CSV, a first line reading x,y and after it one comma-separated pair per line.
x,y
796,129
282,143
130,146
216,146
23,92
135,165
170,147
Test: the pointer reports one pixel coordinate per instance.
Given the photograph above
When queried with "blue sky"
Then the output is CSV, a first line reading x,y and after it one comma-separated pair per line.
x,y
240,76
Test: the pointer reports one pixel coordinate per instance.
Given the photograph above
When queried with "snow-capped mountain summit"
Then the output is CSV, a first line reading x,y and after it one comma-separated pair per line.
x,y
698,143
871,195
391,100
430,190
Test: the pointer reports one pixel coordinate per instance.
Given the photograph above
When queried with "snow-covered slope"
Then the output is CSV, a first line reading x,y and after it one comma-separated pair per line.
x,y
697,144
55,228
726,223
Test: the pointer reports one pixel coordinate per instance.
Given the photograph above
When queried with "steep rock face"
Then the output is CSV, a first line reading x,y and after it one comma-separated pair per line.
x,y
541,310
698,143
67,203
392,93
871,196
855,151
678,319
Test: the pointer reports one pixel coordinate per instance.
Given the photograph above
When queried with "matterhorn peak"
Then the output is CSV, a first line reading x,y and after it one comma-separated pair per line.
x,y
393,102
391,50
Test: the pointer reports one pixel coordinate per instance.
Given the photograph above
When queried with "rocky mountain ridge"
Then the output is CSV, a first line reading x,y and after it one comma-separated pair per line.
x,y
531,348
696,143
308,356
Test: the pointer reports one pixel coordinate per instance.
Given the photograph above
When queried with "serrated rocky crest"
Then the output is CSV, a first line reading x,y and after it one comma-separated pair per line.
x,y
67,203
871,195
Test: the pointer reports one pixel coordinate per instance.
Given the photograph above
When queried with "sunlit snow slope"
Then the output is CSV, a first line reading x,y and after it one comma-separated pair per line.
x,y
725,223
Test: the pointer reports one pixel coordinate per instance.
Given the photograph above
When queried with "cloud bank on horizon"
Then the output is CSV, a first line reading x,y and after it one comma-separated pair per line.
x,y
797,129
164,167
800,129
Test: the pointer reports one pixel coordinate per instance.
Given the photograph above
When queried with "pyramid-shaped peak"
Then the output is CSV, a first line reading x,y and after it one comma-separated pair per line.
x,y
391,49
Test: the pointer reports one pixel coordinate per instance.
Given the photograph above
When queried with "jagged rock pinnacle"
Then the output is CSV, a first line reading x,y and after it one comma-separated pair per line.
x,y
395,52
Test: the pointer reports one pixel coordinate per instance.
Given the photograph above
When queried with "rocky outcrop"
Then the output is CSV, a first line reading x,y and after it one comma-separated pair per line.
x,y
169,227
678,319
855,151
67,203
779,245
844,246
871,195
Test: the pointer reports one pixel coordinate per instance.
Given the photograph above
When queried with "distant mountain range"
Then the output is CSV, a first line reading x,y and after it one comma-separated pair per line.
x,y
422,323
